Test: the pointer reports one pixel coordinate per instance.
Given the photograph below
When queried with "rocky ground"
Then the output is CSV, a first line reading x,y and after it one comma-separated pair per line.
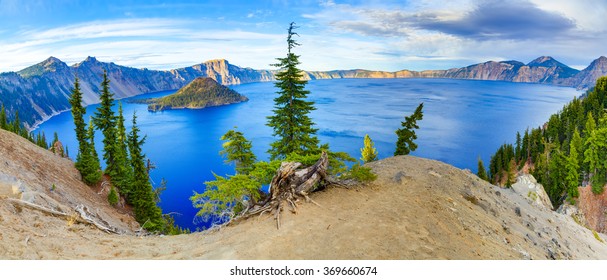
x,y
416,209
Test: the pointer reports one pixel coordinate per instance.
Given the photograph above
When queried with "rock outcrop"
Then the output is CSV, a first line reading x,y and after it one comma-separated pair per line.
x,y
594,208
529,188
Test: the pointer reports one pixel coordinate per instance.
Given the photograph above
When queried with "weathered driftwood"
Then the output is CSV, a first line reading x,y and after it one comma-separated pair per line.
x,y
82,217
289,185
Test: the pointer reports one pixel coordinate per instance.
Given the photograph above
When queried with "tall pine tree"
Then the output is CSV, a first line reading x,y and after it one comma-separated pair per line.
x,y
105,120
78,112
142,198
122,172
406,134
572,166
290,122
3,119
87,160
482,172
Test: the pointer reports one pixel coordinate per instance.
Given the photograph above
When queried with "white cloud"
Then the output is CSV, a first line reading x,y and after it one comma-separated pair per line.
x,y
153,43
432,34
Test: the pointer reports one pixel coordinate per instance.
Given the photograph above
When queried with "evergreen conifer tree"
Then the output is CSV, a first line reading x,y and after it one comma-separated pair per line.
x,y
16,125
142,198
112,196
3,119
578,144
482,172
406,134
572,166
87,160
596,156
237,149
518,149
78,112
105,120
290,122
368,152
123,171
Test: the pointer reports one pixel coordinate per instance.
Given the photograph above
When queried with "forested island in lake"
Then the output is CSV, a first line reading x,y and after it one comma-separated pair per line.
x,y
201,93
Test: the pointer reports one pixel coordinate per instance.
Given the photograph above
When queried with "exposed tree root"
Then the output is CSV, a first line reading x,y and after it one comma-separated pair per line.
x,y
289,185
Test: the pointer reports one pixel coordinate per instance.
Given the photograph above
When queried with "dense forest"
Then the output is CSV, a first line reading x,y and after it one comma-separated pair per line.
x,y
568,151
16,126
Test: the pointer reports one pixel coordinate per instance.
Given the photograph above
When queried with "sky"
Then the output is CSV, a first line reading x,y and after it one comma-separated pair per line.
x,y
367,34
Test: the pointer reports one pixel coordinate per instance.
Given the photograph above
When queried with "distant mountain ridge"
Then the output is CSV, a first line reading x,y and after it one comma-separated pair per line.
x,y
42,90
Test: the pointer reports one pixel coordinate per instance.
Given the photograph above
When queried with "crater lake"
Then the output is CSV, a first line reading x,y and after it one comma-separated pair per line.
x,y
463,120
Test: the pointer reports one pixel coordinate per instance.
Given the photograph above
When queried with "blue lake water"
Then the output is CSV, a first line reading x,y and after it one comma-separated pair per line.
x,y
463,120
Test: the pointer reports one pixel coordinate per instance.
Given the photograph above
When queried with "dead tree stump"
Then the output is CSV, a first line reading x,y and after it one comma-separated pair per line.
x,y
289,185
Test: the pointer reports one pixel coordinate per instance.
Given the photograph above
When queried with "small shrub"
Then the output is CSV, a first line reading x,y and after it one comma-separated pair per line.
x,y
532,195
112,197
360,173
597,189
596,235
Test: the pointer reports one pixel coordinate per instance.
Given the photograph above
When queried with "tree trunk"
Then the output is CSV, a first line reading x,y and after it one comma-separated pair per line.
x,y
289,185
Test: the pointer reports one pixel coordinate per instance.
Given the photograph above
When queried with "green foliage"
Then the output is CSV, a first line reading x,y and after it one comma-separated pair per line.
x,y
360,173
518,149
406,134
112,196
560,156
237,149
481,172
78,112
87,161
224,196
122,173
105,120
597,237
3,118
264,171
16,127
337,160
368,152
290,122
170,228
572,177
596,156
500,165
142,198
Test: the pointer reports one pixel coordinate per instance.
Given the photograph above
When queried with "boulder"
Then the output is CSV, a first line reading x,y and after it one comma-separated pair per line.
x,y
528,187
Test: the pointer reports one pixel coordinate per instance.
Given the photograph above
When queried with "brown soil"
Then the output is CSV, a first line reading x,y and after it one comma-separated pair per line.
x,y
416,209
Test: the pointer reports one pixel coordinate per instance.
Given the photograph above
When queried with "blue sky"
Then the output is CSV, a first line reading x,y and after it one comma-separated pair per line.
x,y
376,35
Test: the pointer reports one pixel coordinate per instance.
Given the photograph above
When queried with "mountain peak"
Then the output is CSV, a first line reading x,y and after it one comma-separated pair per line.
x,y
51,59
600,60
51,64
216,61
545,61
90,59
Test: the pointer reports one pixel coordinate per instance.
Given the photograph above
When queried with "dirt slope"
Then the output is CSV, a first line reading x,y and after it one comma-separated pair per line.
x,y
416,209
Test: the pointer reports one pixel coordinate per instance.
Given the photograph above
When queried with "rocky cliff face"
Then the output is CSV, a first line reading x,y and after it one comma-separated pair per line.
x,y
594,208
42,90
587,77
